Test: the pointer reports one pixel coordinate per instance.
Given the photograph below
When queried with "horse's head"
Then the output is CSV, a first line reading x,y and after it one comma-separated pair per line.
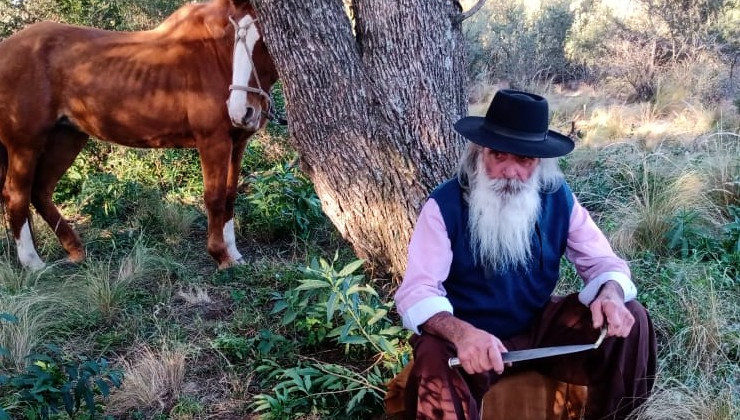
x,y
254,72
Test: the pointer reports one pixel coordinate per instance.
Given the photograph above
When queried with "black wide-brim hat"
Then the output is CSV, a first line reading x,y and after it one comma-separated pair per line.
x,y
517,123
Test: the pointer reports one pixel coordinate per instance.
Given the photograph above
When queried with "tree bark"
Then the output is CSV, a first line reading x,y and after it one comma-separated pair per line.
x,y
371,102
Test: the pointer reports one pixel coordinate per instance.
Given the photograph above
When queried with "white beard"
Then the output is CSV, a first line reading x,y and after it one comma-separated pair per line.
x,y
502,217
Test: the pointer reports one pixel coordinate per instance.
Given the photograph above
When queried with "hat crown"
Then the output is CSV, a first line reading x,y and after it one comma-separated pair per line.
x,y
518,111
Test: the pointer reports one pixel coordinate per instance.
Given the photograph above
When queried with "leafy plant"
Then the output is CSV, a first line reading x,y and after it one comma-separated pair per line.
x,y
317,387
281,201
51,383
331,307
338,300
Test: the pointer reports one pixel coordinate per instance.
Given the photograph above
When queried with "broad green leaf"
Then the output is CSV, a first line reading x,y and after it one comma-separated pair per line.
x,y
386,345
350,268
335,332
356,399
353,339
310,284
379,314
103,387
391,331
331,307
8,317
279,306
367,309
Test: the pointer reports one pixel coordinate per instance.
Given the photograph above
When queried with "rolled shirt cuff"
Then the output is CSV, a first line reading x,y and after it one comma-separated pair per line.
x,y
421,311
589,292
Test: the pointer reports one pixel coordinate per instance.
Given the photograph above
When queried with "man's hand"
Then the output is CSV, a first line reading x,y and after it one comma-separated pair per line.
x,y
477,350
609,304
480,351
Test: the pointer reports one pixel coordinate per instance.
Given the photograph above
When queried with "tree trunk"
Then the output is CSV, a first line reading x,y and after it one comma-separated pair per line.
x,y
371,103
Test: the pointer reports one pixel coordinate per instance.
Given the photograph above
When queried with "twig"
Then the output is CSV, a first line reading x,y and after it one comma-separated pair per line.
x,y
470,12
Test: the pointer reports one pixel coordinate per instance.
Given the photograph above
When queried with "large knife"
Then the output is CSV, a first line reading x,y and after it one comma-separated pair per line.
x,y
539,353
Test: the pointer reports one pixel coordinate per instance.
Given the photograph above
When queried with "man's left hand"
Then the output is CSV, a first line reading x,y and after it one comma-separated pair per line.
x,y
609,306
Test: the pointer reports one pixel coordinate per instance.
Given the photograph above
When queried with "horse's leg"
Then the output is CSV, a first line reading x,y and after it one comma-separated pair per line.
x,y
64,144
16,192
232,182
215,155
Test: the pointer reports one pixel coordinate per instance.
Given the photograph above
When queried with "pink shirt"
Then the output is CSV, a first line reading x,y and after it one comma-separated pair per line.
x,y
422,293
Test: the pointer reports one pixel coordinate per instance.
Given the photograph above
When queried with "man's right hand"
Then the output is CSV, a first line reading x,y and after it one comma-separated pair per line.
x,y
477,350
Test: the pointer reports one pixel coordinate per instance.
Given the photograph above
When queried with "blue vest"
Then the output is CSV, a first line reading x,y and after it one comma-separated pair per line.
x,y
505,302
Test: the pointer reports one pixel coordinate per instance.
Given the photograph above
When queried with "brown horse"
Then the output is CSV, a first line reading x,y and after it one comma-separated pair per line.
x,y
197,80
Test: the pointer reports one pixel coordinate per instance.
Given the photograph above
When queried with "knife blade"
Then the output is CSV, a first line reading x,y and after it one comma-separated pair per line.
x,y
542,352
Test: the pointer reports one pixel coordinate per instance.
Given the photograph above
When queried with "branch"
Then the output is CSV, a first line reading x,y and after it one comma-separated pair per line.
x,y
462,16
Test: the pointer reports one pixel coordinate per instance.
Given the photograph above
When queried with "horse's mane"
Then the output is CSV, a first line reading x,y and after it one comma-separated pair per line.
x,y
189,20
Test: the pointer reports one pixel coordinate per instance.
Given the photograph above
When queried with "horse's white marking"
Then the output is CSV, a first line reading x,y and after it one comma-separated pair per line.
x,y
246,37
26,251
230,240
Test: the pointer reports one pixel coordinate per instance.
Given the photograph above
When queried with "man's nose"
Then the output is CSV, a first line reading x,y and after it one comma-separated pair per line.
x,y
510,173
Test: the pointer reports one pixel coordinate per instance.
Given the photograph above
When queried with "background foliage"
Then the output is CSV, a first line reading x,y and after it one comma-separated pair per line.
x,y
301,331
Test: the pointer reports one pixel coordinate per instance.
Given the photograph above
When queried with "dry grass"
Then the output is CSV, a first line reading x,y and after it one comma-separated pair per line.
x,y
105,287
195,296
34,314
153,380
718,156
14,280
658,196
674,400
176,221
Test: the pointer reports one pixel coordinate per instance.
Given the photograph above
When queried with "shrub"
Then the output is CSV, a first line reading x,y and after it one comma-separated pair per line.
x,y
510,42
282,201
51,383
331,308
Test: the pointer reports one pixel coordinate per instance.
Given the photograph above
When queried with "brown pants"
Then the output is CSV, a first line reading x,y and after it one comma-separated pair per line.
x,y
619,374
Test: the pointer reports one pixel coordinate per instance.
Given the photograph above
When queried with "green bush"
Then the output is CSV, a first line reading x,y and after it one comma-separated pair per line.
x,y
52,382
281,201
333,308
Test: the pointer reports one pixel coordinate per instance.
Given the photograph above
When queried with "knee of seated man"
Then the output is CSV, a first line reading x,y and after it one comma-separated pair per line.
x,y
430,349
642,318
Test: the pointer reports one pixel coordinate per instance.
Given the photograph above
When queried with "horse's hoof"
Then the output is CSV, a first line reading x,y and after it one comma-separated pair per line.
x,y
76,257
232,263
72,261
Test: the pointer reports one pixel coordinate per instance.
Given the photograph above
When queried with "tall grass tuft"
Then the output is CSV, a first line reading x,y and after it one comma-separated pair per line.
x,y
658,198
14,280
673,400
106,287
719,165
153,380
34,314
176,221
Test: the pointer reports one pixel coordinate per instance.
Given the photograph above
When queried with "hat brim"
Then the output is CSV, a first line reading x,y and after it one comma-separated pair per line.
x,y
553,145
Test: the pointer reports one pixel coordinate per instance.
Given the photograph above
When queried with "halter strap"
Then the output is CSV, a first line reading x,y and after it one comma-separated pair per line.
x,y
240,36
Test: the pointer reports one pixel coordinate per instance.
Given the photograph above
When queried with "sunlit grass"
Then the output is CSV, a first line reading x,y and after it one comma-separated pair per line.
x,y
106,285
153,379
657,196
34,314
